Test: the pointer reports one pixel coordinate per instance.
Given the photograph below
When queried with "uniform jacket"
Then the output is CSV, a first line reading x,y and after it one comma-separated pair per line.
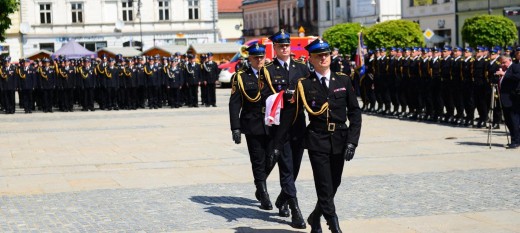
x,y
26,78
175,77
88,77
192,73
343,106
245,114
8,81
210,72
510,87
47,77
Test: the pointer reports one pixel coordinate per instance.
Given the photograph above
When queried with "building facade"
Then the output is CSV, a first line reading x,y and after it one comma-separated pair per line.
x,y
230,20
265,17
12,46
114,23
370,12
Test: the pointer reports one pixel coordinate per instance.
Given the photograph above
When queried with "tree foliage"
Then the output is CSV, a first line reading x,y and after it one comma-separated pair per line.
x,y
343,36
489,30
398,33
6,7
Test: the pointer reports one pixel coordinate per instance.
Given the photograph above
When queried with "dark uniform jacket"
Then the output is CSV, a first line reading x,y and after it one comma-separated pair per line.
x,y
479,71
175,77
112,77
130,76
66,77
335,64
8,81
467,69
246,107
435,68
47,77
87,76
493,67
210,72
26,78
328,132
456,69
192,73
446,68
510,87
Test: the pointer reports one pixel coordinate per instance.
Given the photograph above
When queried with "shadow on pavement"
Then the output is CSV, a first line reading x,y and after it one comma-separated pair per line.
x,y
226,207
484,144
252,230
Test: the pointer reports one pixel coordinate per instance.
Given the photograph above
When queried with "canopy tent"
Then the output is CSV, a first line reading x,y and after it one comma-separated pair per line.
x,y
73,49
113,51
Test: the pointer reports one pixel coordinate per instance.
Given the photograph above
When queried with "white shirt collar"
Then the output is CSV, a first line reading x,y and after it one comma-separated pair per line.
x,y
327,77
282,62
255,71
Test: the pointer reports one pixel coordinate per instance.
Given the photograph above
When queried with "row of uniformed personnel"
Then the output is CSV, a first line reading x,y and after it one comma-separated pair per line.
x,y
434,84
112,83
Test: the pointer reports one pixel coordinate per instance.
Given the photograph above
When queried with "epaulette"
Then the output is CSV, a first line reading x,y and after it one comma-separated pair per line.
x,y
298,61
341,73
472,59
486,59
268,64
441,59
497,62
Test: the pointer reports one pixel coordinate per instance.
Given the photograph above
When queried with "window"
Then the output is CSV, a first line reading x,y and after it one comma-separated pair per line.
x,y
328,10
193,9
164,10
94,46
47,46
337,3
45,13
77,12
128,10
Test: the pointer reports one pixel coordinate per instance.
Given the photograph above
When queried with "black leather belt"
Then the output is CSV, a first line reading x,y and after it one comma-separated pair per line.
x,y
330,127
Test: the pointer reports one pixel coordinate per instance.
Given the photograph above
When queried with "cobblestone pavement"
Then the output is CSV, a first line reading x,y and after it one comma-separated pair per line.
x,y
171,170
230,205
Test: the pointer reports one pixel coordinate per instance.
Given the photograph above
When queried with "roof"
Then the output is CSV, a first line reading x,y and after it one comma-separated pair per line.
x,y
229,6
170,48
216,48
73,49
49,53
247,2
125,51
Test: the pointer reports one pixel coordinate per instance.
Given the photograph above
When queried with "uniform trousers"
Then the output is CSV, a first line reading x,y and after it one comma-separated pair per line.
x,y
88,98
210,96
327,170
259,146
512,119
469,101
482,100
28,102
9,101
193,96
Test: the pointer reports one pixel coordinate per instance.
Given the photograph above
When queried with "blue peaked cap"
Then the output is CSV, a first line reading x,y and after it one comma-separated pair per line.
x,y
318,46
256,50
281,37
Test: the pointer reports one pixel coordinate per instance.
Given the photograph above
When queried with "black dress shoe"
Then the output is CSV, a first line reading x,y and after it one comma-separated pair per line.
x,y
334,225
262,196
297,218
281,204
513,146
314,221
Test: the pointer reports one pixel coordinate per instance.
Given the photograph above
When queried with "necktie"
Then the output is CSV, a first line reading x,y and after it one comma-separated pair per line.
x,y
285,66
324,84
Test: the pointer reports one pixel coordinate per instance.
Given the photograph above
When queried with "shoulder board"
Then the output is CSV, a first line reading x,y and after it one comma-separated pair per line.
x,y
487,59
268,64
341,73
472,59
440,59
298,61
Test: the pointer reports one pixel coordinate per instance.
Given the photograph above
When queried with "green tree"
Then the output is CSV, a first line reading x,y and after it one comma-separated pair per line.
x,y
489,30
7,7
398,33
343,36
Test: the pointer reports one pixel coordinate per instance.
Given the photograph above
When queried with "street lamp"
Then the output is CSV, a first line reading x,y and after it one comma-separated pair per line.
x,y
138,15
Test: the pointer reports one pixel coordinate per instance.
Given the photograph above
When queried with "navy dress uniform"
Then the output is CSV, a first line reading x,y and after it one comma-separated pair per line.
x,y
481,87
211,70
456,75
447,84
8,81
280,76
174,82
192,74
47,79
493,66
330,100
89,83
27,83
246,114
467,82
